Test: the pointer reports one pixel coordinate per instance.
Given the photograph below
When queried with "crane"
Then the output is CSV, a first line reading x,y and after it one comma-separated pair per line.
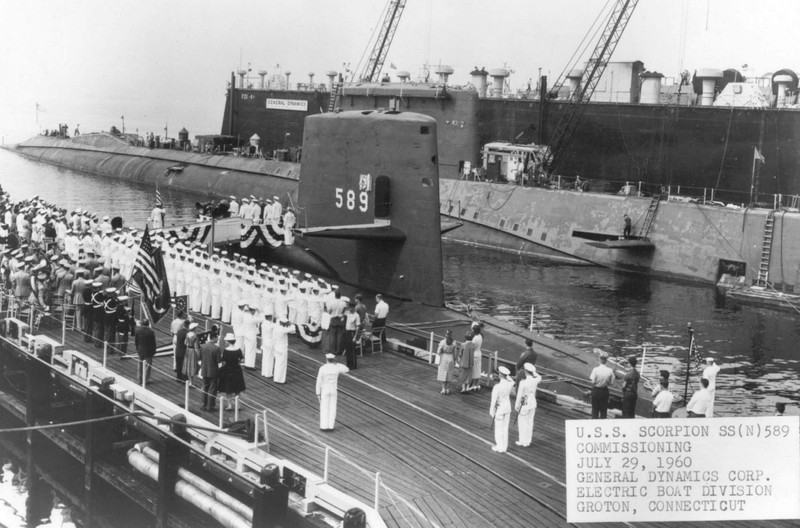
x,y
615,25
377,57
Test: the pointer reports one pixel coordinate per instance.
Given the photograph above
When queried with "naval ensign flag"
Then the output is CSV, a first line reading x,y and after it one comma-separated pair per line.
x,y
757,155
151,278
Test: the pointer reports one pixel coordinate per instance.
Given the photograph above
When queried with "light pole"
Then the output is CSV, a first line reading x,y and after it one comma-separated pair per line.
x,y
123,124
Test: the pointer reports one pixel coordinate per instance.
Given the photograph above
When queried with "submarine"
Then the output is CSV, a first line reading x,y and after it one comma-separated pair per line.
x,y
366,195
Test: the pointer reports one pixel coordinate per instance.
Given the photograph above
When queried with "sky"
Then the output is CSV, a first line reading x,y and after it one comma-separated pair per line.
x,y
167,64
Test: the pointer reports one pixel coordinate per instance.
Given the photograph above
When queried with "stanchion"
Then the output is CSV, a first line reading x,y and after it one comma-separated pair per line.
x,y
266,429
187,384
105,353
377,489
222,400
236,408
430,350
325,468
64,328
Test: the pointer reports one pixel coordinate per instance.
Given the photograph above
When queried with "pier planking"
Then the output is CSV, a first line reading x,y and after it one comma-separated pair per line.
x,y
433,451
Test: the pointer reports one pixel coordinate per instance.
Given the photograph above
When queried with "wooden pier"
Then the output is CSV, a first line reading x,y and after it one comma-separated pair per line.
x,y
422,458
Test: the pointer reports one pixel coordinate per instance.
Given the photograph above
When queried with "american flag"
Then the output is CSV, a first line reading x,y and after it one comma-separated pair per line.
x,y
158,197
150,276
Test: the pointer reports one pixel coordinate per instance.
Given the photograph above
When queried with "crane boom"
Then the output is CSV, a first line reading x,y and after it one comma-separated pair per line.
x,y
378,56
615,26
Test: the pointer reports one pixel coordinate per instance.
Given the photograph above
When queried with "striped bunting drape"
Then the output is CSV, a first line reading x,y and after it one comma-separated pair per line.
x,y
265,234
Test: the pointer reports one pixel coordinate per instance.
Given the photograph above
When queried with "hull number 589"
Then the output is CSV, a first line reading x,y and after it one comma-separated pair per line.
x,y
347,198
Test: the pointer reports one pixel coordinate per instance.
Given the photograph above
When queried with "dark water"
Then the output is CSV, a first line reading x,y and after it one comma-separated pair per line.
x,y
586,306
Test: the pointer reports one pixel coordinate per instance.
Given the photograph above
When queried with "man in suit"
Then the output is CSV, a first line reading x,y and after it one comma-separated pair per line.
x,y
210,357
145,340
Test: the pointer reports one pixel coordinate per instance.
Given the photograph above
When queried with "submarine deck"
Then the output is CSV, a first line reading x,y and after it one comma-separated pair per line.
x,y
432,451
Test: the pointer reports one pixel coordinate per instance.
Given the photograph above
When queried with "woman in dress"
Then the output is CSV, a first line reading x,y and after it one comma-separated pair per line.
x,y
447,348
191,361
231,377
477,362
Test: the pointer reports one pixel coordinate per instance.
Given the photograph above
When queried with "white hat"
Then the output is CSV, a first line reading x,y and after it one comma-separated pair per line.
x,y
530,368
192,326
503,370
230,337
709,359
111,290
329,356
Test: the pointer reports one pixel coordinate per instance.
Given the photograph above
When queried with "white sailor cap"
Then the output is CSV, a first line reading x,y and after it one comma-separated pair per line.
x,y
97,284
241,304
111,290
192,326
230,337
123,298
277,197
530,368
330,356
105,217
503,370
709,359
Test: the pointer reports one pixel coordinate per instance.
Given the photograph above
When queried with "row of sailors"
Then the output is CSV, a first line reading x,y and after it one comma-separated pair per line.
x,y
260,212
214,285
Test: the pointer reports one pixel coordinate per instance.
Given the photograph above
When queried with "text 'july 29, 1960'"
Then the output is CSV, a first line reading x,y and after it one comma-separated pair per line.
x,y
683,469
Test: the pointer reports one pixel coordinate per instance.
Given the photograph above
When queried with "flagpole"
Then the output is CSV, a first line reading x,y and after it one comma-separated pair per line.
x,y
753,176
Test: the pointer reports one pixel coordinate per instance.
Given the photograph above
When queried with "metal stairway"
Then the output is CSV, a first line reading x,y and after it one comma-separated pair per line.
x,y
766,250
648,218
335,89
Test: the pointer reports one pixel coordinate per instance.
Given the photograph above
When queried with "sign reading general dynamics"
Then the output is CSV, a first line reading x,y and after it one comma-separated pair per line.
x,y
683,469
287,104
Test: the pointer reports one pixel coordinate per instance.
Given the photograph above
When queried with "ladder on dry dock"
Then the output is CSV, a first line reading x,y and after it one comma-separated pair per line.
x,y
335,89
766,251
648,218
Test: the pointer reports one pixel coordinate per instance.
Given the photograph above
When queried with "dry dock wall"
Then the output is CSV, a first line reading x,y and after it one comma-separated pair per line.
x,y
690,239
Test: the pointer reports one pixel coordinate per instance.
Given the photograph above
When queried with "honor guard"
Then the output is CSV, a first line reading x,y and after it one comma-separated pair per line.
x,y
110,305
500,409
125,325
525,404
327,391
98,314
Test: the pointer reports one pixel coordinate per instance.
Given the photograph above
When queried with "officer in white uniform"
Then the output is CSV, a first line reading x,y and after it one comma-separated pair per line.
x,y
215,285
327,391
525,404
237,317
226,298
500,409
267,347
205,289
289,220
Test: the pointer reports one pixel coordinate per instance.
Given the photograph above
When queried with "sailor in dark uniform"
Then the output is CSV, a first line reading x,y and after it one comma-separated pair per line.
x,y
87,310
125,325
110,317
98,314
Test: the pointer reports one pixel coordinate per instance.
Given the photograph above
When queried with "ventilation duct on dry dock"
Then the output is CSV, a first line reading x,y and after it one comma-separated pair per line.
x,y
331,75
262,74
574,77
498,76
288,74
311,80
651,88
479,81
707,79
404,76
443,71
241,73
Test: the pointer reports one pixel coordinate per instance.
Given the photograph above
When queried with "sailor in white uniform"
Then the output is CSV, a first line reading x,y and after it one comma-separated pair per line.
x,y
233,206
327,391
237,317
280,340
289,219
710,373
195,291
215,285
500,409
250,322
525,404
226,298
267,348
205,289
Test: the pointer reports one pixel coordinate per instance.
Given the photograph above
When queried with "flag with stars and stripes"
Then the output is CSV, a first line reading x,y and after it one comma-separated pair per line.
x,y
158,197
151,278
